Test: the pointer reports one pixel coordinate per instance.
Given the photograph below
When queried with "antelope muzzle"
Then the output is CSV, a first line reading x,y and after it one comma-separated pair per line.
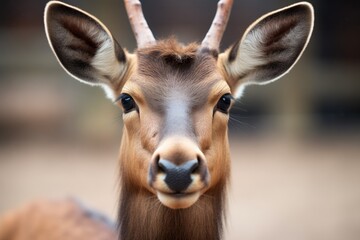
x,y
178,172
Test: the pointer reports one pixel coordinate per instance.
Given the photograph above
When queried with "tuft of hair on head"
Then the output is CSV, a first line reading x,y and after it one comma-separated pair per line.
x,y
172,52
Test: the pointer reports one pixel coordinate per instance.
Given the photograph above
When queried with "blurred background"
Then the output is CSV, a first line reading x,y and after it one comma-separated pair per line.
x,y
295,143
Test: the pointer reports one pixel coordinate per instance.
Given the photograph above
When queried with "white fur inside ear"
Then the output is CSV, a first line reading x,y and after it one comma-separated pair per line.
x,y
108,66
249,55
106,62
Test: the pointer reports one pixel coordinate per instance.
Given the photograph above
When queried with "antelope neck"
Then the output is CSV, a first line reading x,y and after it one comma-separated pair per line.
x,y
143,217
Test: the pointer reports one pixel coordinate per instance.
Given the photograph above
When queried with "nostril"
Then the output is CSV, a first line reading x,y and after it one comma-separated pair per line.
x,y
159,166
194,167
200,159
190,166
165,166
178,177
200,162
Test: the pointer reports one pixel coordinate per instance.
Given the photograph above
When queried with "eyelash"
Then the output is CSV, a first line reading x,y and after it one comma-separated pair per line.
x,y
127,102
224,103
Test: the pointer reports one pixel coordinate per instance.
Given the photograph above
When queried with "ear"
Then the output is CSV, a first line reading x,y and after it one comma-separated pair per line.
x,y
84,47
269,48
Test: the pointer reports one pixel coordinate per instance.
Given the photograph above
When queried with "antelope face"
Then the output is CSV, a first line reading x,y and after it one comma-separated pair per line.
x,y
176,99
176,107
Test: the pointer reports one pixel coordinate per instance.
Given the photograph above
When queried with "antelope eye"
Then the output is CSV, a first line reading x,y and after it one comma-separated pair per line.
x,y
127,102
224,103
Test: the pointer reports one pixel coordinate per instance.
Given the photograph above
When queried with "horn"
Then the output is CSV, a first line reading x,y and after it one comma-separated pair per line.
x,y
214,35
142,32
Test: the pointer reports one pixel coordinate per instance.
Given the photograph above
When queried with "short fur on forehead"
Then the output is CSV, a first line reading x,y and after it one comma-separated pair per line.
x,y
169,60
170,67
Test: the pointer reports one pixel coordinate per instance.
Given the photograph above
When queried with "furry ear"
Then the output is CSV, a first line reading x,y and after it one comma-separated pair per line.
x,y
270,47
84,46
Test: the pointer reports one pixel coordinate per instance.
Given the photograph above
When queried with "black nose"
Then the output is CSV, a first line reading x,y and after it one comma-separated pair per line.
x,y
178,177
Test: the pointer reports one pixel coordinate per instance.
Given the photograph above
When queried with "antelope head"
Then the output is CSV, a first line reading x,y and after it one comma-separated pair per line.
x,y
176,98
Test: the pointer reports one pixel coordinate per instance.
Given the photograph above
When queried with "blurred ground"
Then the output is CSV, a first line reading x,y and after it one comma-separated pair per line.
x,y
281,188
286,189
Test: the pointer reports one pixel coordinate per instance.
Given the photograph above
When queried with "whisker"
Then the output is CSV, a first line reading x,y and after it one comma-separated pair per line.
x,y
197,205
208,196
117,119
242,123
155,204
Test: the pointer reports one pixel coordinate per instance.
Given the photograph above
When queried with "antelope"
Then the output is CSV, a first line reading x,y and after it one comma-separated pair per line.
x,y
174,156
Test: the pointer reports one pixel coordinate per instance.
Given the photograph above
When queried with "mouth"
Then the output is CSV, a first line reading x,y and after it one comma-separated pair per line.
x,y
178,200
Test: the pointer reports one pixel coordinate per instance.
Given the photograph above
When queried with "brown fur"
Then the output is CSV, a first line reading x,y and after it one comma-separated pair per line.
x,y
143,217
158,68
193,73
55,220
171,48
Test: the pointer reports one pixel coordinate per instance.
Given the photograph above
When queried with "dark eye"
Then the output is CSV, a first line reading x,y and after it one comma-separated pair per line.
x,y
127,102
224,103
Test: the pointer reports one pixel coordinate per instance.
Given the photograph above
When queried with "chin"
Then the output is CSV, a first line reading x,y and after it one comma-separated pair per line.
x,y
178,201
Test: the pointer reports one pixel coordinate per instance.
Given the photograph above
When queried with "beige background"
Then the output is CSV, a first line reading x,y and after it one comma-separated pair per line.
x,y
295,171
